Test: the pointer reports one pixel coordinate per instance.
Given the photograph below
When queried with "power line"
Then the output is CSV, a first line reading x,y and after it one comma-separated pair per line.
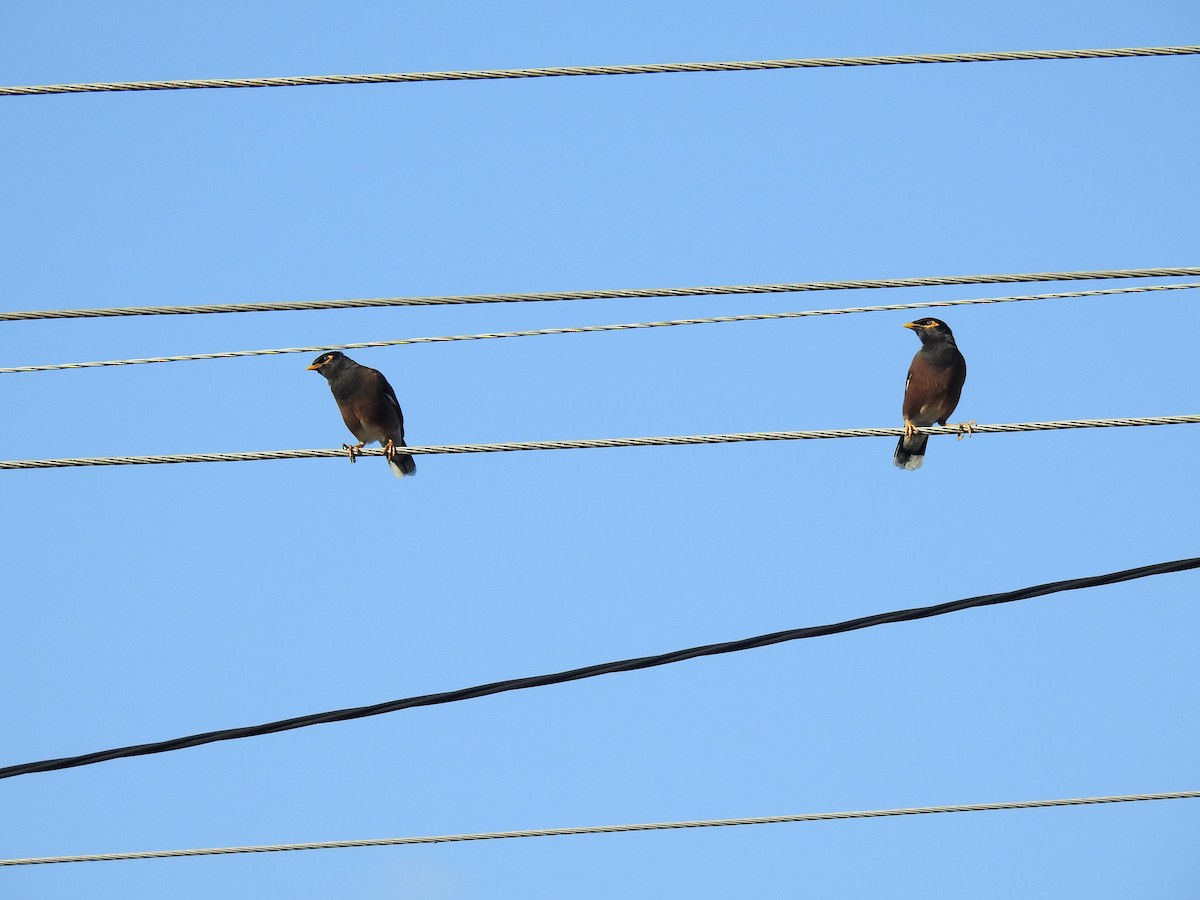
x,y
604,829
596,443
626,665
561,71
636,293
590,329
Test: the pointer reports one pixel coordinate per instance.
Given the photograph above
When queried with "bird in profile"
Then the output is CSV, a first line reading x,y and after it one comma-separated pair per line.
x,y
931,391
368,406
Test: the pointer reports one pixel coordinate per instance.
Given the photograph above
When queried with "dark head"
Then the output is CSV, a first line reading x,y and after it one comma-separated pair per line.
x,y
330,364
932,331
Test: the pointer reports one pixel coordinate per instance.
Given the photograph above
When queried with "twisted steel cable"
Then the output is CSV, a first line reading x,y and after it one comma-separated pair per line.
x,y
636,293
596,443
566,71
604,829
591,329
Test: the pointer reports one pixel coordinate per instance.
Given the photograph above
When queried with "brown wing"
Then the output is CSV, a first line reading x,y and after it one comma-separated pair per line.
x,y
392,405
931,392
370,409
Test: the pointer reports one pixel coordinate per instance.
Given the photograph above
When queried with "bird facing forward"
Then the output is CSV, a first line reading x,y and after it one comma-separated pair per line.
x,y
931,391
368,406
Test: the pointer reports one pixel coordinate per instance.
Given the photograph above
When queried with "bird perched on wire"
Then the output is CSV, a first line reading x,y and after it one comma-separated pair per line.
x,y
368,406
931,391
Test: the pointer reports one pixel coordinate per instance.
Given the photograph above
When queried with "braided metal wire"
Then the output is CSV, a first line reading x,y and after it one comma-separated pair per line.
x,y
604,829
598,443
561,71
591,329
636,293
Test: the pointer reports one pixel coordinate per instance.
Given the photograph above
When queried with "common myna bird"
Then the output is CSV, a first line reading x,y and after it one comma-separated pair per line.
x,y
368,406
935,381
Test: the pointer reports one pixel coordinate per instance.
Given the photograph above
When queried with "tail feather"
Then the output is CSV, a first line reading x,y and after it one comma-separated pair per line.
x,y
910,452
402,463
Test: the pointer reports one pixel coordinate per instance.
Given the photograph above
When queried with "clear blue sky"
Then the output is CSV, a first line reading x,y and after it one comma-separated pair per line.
x,y
143,603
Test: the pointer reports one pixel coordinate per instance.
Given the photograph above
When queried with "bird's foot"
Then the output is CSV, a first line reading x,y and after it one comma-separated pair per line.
x,y
910,430
389,449
966,429
353,451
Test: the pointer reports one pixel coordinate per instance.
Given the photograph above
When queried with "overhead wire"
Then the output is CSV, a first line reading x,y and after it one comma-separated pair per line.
x,y
603,829
592,329
597,443
625,665
628,294
567,71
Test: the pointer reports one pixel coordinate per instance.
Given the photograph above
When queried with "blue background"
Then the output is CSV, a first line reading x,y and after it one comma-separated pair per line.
x,y
144,603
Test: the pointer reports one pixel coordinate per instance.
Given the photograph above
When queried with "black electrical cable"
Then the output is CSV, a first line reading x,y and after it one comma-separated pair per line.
x,y
627,665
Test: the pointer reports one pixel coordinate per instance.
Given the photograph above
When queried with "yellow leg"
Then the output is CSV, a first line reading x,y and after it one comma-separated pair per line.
x,y
966,429
389,449
910,430
353,451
